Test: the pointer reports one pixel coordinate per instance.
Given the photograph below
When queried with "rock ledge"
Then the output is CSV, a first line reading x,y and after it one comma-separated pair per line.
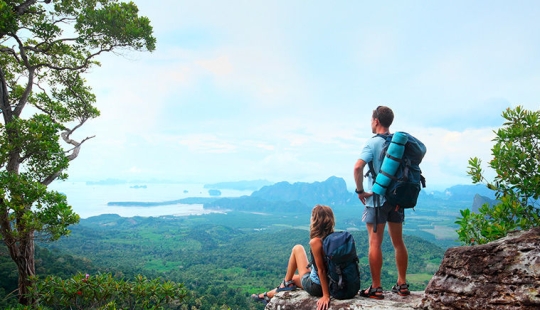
x,y
301,300
500,275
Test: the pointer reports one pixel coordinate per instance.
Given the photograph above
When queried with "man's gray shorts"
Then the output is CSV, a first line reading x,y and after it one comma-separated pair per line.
x,y
386,213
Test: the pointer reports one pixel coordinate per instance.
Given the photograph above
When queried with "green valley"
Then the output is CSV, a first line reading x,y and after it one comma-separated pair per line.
x,y
222,258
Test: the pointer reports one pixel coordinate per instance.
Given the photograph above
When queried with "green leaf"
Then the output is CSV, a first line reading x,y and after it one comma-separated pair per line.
x,y
516,184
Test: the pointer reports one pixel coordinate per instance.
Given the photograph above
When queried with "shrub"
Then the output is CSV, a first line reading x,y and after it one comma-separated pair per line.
x,y
103,291
517,182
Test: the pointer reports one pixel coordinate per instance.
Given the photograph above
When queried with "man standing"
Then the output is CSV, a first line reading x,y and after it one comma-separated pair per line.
x,y
381,120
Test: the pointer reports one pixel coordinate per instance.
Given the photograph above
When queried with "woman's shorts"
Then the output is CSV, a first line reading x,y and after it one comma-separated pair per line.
x,y
311,287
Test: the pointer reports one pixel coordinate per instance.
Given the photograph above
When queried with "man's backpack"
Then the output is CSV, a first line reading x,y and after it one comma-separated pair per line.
x,y
404,186
342,265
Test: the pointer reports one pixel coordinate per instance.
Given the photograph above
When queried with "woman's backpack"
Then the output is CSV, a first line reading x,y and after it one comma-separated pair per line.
x,y
342,265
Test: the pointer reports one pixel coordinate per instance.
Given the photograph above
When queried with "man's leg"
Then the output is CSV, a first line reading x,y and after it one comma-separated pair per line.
x,y
395,230
375,253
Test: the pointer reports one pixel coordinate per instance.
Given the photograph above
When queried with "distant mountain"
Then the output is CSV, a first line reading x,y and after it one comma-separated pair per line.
x,y
240,185
289,198
301,196
480,200
214,192
463,192
331,192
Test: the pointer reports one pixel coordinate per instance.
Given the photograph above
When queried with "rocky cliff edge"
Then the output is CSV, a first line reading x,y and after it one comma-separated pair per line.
x,y
504,274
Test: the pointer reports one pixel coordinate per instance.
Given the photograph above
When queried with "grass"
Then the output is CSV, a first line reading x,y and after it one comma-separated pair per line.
x,y
232,271
442,232
419,278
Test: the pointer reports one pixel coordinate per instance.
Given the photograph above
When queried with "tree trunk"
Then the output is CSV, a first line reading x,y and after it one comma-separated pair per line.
x,y
21,249
22,253
26,268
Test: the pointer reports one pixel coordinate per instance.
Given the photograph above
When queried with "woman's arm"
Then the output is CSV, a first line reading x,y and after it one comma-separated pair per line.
x,y
318,254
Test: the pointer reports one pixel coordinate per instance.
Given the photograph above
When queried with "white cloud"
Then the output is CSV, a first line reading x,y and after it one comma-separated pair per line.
x,y
134,170
220,66
284,90
206,144
448,153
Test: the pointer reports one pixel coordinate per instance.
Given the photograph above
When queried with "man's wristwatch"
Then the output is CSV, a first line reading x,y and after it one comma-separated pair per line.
x,y
358,191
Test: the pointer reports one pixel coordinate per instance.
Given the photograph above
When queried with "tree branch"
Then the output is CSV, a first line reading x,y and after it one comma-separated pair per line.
x,y
77,145
37,48
48,180
6,230
75,152
85,63
21,9
5,108
31,71
8,50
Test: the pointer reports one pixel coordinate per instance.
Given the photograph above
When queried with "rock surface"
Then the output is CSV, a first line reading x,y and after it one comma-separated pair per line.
x,y
504,274
301,300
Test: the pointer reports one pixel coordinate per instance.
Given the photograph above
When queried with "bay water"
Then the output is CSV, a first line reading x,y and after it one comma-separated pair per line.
x,y
89,200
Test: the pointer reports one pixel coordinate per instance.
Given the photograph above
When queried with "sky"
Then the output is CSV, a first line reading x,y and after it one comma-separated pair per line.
x,y
284,90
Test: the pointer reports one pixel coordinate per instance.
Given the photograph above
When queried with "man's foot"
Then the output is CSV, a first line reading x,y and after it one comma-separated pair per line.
x,y
401,290
375,293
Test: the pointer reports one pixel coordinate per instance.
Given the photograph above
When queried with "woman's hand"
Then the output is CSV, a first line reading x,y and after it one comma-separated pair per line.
x,y
316,245
323,303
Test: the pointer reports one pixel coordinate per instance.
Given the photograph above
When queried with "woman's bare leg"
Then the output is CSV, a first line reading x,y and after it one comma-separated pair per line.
x,y
298,261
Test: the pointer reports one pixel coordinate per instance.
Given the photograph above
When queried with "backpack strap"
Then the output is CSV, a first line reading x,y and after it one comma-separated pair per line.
x,y
371,171
376,198
312,261
376,205
370,164
407,164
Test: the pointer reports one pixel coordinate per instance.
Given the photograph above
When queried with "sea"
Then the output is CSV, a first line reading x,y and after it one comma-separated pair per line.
x,y
88,199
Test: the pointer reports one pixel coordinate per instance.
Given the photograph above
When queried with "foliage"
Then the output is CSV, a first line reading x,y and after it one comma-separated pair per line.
x,y
516,161
102,288
103,291
47,263
46,48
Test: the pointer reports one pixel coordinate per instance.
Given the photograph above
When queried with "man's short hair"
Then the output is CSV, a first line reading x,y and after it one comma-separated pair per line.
x,y
384,114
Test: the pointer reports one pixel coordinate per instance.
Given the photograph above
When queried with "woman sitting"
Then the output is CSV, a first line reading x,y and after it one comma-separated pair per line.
x,y
313,280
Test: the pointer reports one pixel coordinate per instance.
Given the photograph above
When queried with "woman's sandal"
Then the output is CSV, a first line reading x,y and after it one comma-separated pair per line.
x,y
265,299
286,286
375,293
401,290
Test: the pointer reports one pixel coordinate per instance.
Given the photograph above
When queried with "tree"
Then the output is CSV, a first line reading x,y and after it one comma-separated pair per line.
x,y
46,47
516,161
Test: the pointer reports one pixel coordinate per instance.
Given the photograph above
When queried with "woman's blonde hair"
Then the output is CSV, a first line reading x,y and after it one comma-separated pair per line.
x,y
322,222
